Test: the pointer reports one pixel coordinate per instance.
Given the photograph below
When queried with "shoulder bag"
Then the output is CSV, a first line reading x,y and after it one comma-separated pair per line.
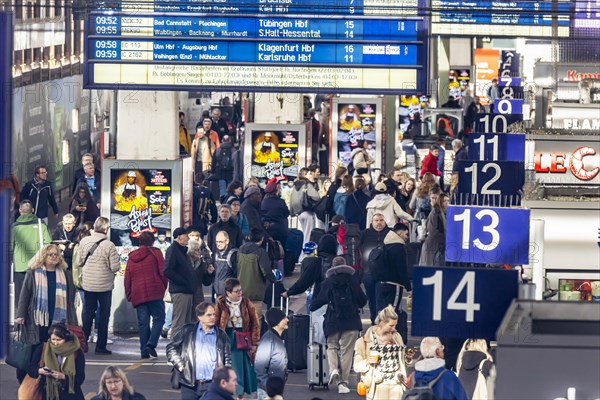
x,y
19,352
30,388
243,340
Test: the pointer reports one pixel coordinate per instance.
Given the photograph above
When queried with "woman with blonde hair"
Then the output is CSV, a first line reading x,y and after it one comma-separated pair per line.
x,y
474,359
45,296
115,386
380,357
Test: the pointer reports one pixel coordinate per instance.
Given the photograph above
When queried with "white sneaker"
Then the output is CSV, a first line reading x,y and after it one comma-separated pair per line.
x,y
334,376
94,339
343,389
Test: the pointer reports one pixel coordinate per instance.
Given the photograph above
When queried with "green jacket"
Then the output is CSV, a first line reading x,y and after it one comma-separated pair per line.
x,y
25,240
254,271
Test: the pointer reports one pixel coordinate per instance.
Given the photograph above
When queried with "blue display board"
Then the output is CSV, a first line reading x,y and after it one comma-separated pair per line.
x,y
352,46
487,235
461,302
497,147
495,123
491,178
508,106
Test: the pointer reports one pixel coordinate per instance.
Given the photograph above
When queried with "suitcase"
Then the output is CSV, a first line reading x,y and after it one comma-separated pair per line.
x,y
296,341
317,370
316,234
293,249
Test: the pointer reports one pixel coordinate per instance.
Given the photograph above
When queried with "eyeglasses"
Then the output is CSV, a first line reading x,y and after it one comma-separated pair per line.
x,y
221,241
237,291
52,254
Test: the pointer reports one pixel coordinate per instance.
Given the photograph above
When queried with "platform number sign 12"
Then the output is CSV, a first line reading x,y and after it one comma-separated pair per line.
x,y
461,302
487,235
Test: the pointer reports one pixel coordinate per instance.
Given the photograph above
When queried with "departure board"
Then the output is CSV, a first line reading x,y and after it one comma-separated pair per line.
x,y
358,46
501,18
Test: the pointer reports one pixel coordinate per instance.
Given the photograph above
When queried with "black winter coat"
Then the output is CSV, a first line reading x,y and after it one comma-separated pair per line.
x,y
79,174
179,270
396,263
233,230
469,370
181,352
335,185
356,209
216,167
215,392
252,211
369,239
310,275
40,195
61,234
275,215
32,371
342,274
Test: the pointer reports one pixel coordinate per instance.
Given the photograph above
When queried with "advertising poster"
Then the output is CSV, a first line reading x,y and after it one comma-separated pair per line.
x,y
356,122
409,107
458,82
487,62
141,200
275,154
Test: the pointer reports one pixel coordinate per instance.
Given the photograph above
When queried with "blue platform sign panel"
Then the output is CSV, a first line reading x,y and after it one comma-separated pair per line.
x,y
461,302
491,178
495,123
487,235
497,147
510,63
508,106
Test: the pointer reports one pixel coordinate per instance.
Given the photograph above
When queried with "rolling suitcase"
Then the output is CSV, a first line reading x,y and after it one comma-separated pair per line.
x,y
296,341
318,368
293,249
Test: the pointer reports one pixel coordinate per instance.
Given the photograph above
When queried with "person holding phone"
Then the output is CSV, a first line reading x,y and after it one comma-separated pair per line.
x,y
61,365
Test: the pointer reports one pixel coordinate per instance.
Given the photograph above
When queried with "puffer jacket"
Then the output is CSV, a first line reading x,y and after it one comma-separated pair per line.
x,y
25,239
181,352
385,204
448,387
271,358
144,276
254,270
99,271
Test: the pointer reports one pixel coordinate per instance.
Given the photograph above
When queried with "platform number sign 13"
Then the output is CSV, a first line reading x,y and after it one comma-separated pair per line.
x,y
487,235
461,302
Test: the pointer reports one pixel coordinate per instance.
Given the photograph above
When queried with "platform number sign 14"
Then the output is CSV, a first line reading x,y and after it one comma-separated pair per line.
x,y
487,235
461,302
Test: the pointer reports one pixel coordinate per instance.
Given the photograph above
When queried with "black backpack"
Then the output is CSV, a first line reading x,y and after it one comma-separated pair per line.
x,y
225,159
350,168
205,202
422,392
352,239
341,301
325,265
377,262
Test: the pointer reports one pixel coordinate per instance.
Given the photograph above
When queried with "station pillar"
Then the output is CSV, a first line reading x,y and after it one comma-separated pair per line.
x,y
147,125
278,108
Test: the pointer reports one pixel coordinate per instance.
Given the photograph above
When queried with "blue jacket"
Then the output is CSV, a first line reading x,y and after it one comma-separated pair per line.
x,y
447,388
275,215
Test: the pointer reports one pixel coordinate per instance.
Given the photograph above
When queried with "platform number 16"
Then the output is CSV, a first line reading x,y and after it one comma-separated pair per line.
x,y
469,306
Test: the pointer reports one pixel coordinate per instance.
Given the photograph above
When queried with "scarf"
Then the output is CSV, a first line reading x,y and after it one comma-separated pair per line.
x,y
235,312
41,315
66,351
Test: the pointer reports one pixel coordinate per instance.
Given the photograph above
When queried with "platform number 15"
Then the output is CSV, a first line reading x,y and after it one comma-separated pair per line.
x,y
469,306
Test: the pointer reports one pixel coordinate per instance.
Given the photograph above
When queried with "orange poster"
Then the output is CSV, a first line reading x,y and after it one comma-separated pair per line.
x,y
487,62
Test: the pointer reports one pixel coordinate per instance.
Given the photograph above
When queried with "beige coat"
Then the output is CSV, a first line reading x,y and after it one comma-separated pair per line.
x,y
100,269
362,348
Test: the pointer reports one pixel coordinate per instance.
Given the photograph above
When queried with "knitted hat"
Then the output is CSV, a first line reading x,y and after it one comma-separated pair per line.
x,y
274,316
251,190
271,186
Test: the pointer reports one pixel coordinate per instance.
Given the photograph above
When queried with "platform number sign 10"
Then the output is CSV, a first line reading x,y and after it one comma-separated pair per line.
x,y
487,235
461,302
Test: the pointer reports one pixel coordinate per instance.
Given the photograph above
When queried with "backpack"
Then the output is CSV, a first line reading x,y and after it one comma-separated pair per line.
x,y
205,203
352,240
221,272
225,159
377,261
339,204
351,168
325,265
422,392
481,390
296,197
341,301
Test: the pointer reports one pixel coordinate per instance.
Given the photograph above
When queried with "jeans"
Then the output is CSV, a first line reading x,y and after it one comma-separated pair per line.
x,y
223,183
156,310
371,295
93,301
169,316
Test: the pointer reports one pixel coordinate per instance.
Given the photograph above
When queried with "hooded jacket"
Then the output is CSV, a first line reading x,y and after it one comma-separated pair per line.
x,y
469,370
340,275
251,209
25,239
396,263
254,270
448,387
271,358
99,271
429,164
181,352
144,276
40,194
385,204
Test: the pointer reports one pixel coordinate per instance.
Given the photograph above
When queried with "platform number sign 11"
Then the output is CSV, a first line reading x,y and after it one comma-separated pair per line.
x,y
487,235
461,302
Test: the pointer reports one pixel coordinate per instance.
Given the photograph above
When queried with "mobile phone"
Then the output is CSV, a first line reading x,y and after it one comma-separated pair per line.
x,y
47,369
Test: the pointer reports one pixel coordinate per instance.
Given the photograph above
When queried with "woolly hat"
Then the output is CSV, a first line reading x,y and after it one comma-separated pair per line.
x,y
274,316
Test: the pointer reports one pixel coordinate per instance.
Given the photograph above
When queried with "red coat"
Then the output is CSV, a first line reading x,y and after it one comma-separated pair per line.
x,y
144,276
429,164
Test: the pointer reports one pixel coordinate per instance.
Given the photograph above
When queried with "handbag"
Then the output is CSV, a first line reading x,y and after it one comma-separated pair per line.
x,y
78,333
30,388
243,341
19,353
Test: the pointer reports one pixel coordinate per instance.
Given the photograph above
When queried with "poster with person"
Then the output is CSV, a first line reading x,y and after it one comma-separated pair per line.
x,y
356,122
141,200
274,154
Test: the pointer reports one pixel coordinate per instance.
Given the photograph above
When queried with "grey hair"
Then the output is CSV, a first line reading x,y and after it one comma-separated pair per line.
x,y
457,144
101,225
429,345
